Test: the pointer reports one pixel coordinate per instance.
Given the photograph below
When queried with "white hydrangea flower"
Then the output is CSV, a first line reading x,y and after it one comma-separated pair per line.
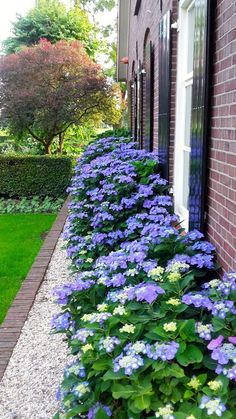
x,y
170,327
102,307
128,328
119,310
165,412
174,301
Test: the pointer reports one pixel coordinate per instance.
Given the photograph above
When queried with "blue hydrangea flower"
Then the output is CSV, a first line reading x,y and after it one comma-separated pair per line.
x,y
129,363
93,410
108,343
136,348
81,389
212,405
75,368
165,351
82,334
220,309
198,300
61,322
204,330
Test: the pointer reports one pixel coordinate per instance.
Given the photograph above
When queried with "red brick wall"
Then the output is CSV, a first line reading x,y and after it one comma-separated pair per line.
x,y
222,143
148,17
221,193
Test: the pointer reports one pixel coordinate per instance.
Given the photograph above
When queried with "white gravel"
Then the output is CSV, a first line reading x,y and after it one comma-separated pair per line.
x,y
28,388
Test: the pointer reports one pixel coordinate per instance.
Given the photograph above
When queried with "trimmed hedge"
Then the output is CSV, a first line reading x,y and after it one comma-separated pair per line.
x,y
39,175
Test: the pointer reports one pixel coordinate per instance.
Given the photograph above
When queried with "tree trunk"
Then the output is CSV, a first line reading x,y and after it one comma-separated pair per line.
x,y
47,148
61,142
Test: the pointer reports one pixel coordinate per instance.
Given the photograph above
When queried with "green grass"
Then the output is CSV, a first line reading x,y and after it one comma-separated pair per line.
x,y
20,241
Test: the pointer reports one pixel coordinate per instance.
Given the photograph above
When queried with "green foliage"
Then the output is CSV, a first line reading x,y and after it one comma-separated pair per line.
x,y
97,5
77,138
20,241
51,20
118,133
32,205
34,176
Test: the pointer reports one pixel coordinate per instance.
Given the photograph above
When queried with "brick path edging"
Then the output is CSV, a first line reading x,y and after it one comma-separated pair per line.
x,y
10,329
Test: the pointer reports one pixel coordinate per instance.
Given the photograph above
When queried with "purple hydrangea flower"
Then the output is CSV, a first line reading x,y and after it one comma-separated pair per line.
x,y
61,321
118,280
212,405
231,373
136,348
193,235
165,351
198,300
224,354
108,343
204,246
94,410
204,330
63,293
215,343
82,334
202,261
129,363
220,309
75,368
228,284
147,291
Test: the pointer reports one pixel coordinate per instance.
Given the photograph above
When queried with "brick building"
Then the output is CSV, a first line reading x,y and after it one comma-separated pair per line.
x,y
179,60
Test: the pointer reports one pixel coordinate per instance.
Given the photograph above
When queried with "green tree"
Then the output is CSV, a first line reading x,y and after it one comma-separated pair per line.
x,y
51,20
46,89
96,5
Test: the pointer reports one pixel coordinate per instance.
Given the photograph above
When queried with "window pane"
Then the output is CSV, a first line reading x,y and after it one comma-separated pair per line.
x,y
191,27
186,179
188,113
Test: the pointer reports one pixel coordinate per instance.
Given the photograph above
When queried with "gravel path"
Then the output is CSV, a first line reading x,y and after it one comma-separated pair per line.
x,y
30,382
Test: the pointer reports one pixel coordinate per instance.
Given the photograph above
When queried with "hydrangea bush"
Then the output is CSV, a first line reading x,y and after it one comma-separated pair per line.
x,y
147,317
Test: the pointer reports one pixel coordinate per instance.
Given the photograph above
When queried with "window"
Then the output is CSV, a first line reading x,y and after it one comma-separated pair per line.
x,y
192,111
164,93
184,109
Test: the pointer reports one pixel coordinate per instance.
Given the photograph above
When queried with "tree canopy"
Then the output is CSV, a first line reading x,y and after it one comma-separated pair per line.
x,y
96,5
47,88
51,20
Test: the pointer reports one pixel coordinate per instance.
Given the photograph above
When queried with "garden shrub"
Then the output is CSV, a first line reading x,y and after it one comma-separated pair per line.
x,y
29,176
117,133
147,317
30,205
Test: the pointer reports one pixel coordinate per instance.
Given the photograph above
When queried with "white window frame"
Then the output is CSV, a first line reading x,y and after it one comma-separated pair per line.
x,y
184,79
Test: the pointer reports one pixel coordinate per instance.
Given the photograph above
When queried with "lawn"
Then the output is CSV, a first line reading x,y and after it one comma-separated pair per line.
x,y
20,241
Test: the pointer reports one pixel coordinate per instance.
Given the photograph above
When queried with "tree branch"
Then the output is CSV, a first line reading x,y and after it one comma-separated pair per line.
x,y
36,136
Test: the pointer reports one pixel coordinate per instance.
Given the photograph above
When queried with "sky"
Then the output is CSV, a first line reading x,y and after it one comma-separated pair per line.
x,y
8,11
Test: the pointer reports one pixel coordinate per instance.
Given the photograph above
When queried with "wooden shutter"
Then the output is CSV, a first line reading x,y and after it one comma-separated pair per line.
x,y
164,93
141,110
199,114
135,108
132,107
138,107
149,94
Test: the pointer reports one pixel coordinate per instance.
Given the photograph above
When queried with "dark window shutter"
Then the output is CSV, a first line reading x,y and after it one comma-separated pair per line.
x,y
149,95
138,108
132,107
135,107
199,114
164,93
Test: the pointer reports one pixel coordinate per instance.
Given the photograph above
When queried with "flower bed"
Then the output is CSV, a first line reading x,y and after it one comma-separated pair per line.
x,y
149,322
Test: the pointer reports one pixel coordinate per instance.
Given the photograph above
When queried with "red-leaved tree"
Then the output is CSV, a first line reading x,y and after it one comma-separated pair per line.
x,y
47,88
